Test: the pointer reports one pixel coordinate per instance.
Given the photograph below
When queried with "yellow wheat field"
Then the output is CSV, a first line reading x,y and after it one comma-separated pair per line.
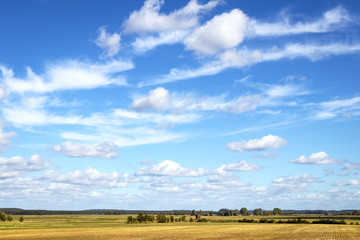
x,y
191,231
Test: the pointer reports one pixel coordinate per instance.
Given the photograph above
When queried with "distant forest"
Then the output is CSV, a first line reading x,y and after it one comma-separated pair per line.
x,y
18,211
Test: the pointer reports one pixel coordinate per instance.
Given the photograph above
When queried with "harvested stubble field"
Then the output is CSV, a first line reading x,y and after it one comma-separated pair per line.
x,y
114,227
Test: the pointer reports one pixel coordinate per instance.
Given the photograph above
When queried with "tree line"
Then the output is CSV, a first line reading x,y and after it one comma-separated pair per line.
x,y
5,217
222,212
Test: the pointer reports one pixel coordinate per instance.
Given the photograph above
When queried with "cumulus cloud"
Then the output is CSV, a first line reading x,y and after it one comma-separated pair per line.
x,y
225,171
89,177
17,166
160,99
352,182
351,166
149,19
319,158
101,150
222,32
109,42
5,139
169,168
68,75
241,166
292,184
264,143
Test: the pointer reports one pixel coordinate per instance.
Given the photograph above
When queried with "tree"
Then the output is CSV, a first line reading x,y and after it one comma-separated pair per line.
x,y
243,211
236,212
2,216
171,218
257,211
9,218
21,219
277,211
161,218
149,218
193,212
140,217
129,219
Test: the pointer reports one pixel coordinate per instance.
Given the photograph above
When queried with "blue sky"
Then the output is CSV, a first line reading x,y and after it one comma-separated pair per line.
x,y
179,104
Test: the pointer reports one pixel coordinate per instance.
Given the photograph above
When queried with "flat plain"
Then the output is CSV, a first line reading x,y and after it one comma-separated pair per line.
x,y
115,227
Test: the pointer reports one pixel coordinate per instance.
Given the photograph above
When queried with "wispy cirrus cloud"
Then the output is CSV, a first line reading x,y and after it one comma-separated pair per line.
x,y
339,107
245,57
149,19
160,99
67,75
331,20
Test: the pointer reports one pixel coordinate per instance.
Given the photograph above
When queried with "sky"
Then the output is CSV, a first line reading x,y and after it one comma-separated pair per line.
x,y
191,104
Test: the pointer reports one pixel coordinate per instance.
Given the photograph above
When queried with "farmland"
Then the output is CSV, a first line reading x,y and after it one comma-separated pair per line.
x,y
115,227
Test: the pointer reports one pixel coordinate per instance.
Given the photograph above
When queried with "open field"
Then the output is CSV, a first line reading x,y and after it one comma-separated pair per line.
x,y
115,227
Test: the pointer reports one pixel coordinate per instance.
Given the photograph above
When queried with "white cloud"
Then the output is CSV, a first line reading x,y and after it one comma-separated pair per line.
x,y
224,172
90,177
228,59
149,19
344,107
331,20
160,99
351,166
169,168
68,75
313,52
17,166
320,158
266,142
241,58
266,155
292,184
279,91
222,32
2,93
101,150
352,182
143,44
241,166
109,42
5,138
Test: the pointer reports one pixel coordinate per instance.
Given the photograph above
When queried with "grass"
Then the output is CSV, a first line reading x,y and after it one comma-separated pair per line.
x,y
114,227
